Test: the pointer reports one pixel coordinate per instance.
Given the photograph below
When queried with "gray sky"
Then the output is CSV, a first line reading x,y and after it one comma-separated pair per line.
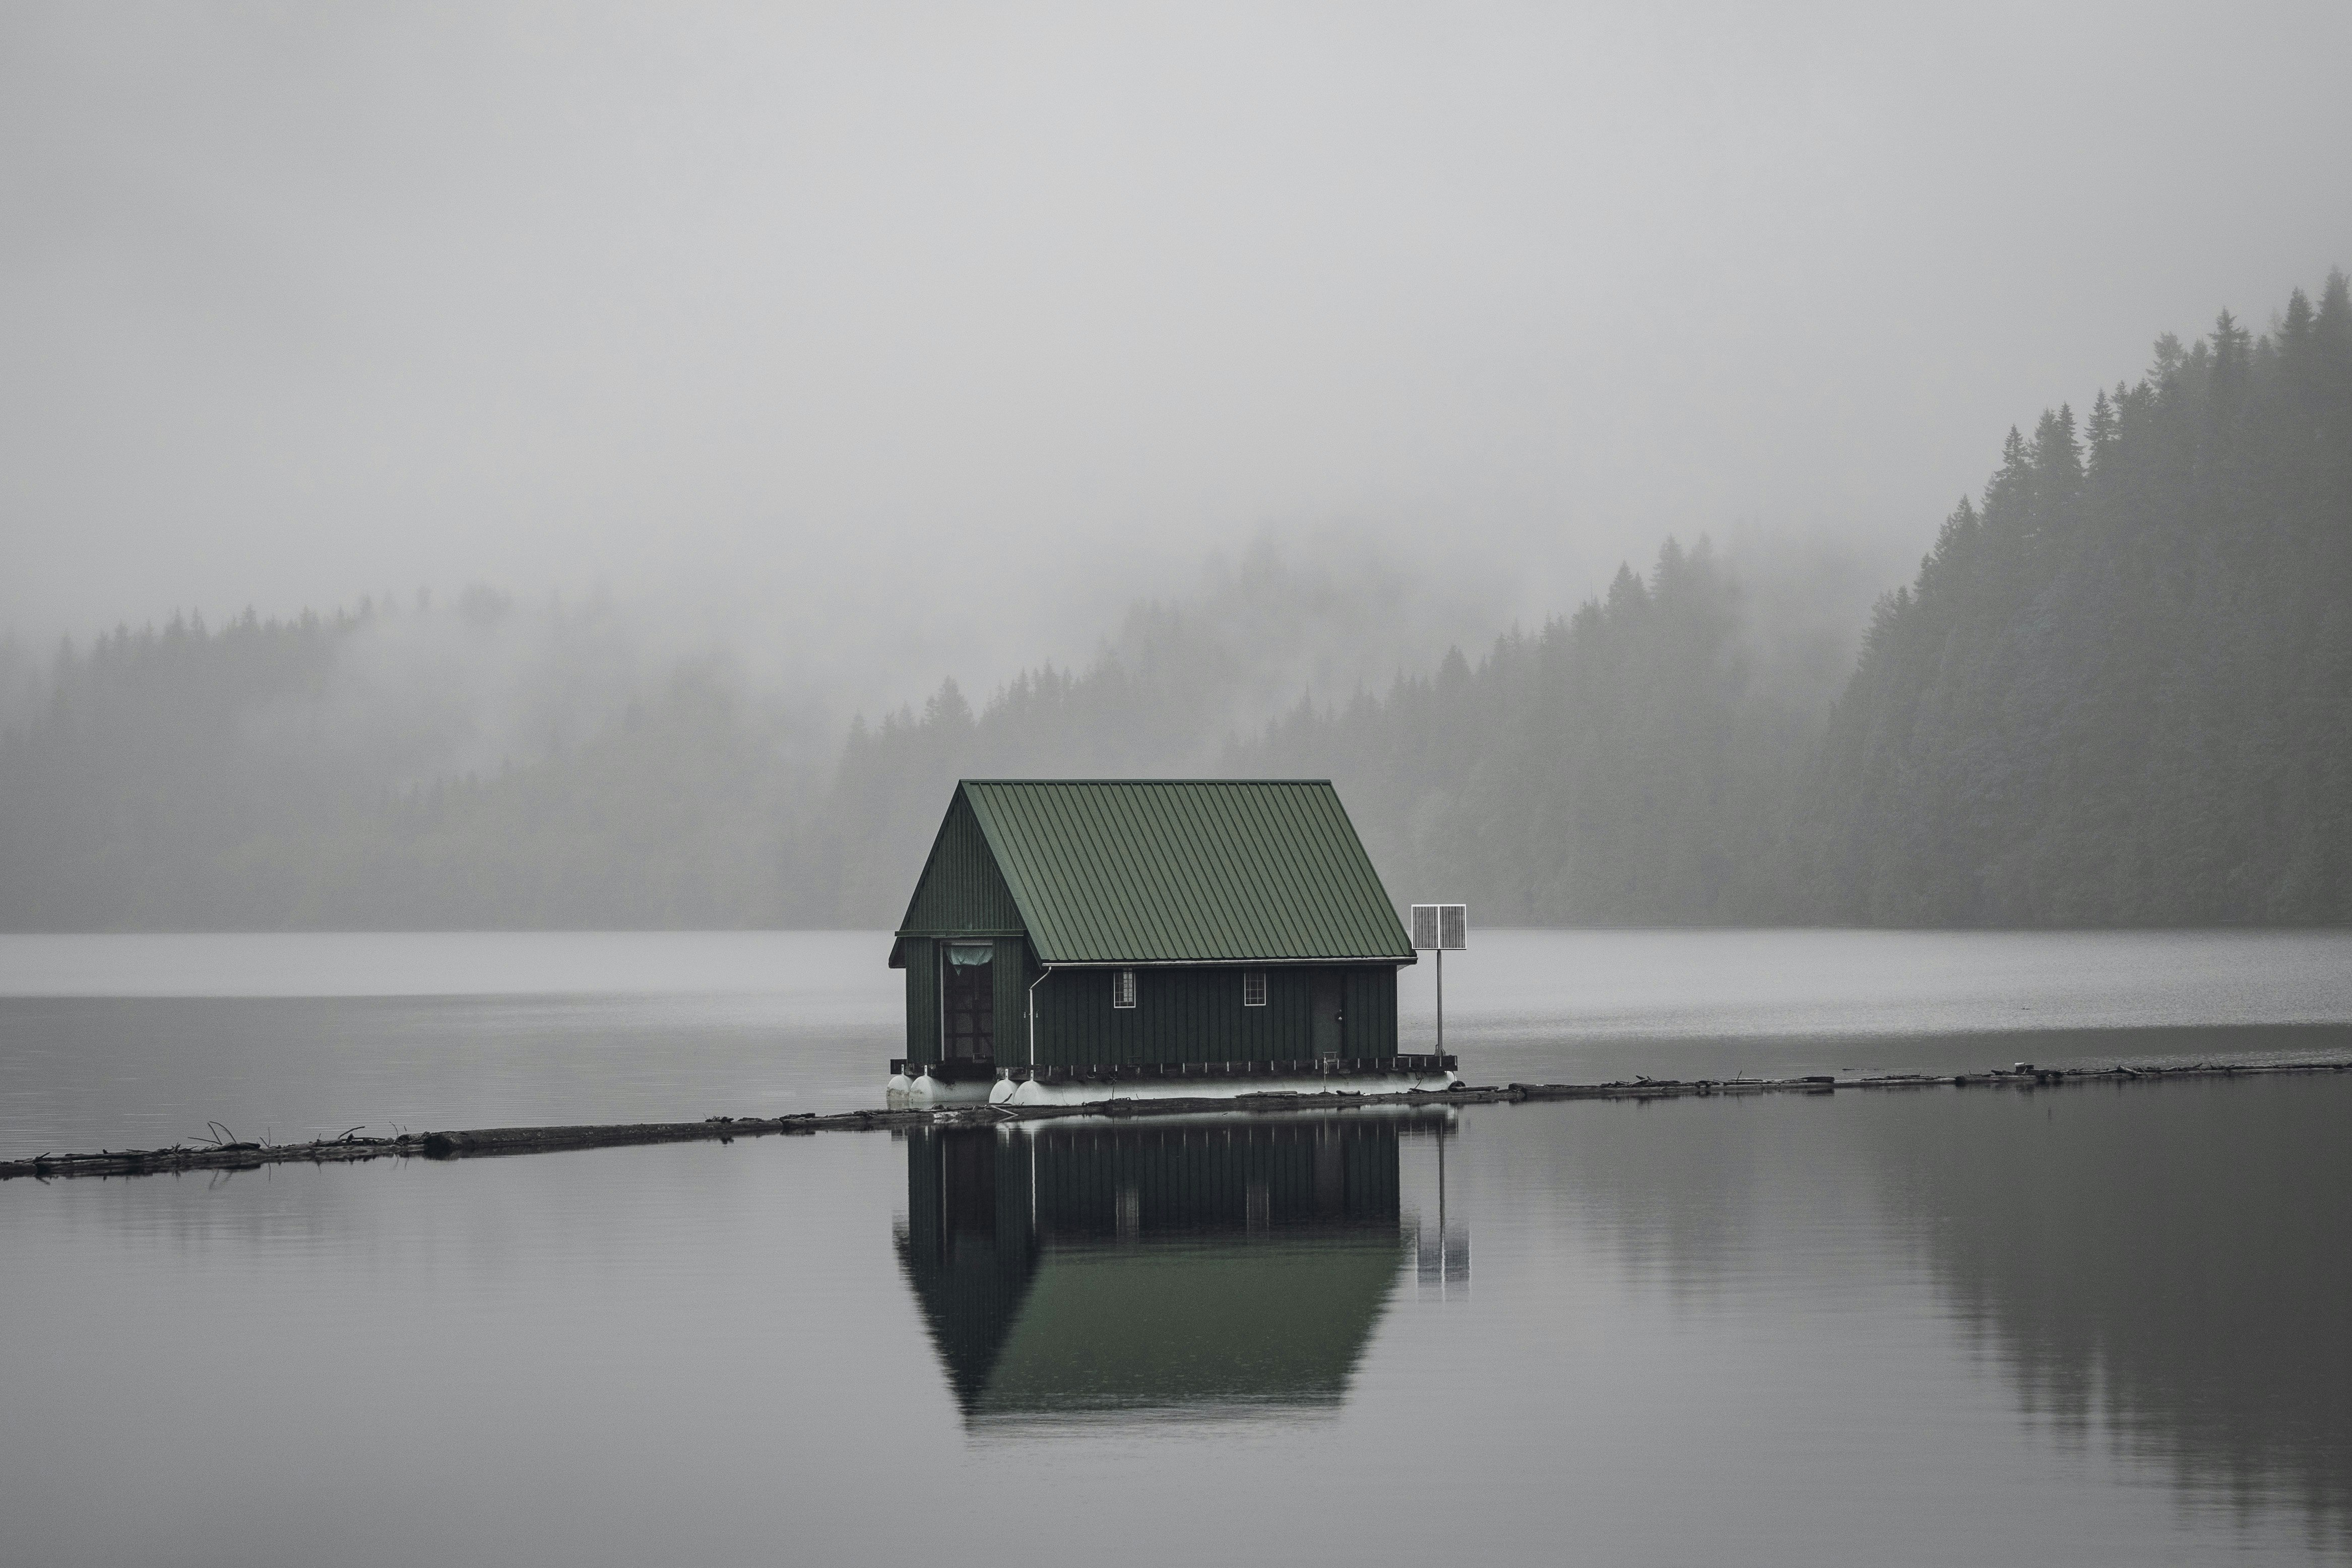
x,y
928,327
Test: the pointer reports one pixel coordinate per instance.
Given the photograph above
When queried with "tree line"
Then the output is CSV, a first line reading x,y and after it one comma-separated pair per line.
x,y
2120,690
2117,692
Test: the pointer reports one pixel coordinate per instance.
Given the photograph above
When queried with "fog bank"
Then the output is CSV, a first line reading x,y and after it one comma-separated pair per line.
x,y
896,335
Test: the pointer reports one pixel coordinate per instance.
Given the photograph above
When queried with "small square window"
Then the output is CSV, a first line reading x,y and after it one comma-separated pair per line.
x,y
1122,987
1253,987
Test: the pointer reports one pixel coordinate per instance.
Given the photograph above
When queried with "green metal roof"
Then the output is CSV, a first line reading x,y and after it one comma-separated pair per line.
x,y
1186,871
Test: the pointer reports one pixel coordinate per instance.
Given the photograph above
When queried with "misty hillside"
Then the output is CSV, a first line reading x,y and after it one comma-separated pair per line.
x,y
2120,691
474,767
1621,766
484,765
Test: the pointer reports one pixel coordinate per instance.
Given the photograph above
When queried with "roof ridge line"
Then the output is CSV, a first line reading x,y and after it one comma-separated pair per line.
x,y
1102,781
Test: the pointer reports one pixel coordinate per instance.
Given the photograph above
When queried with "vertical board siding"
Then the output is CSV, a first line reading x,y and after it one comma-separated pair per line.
x,y
1367,997
962,893
1011,973
1196,1015
961,888
922,999
1093,872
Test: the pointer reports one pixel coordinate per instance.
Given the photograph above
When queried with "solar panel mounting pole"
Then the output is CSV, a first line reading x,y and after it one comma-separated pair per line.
x,y
1439,926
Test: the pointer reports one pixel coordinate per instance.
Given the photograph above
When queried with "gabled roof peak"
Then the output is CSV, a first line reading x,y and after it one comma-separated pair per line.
x,y
1163,871
1118,783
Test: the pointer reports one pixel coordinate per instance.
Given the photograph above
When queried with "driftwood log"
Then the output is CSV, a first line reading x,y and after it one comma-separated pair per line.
x,y
225,1154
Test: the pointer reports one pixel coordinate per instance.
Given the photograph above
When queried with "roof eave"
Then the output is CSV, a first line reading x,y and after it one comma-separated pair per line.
x,y
1326,959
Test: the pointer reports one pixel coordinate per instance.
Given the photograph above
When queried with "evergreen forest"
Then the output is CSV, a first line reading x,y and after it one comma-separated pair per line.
x,y
2117,692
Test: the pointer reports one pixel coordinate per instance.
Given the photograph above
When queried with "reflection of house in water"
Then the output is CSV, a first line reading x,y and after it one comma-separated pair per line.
x,y
1207,1266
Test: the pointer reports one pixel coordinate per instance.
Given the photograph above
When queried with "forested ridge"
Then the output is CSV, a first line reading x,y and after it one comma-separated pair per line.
x,y
2119,691
1620,765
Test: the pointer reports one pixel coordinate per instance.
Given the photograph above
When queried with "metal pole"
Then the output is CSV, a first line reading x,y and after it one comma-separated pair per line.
x,y
1044,971
1441,1007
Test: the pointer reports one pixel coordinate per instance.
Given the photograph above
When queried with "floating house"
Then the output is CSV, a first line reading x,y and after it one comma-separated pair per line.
x,y
1075,940
1228,1267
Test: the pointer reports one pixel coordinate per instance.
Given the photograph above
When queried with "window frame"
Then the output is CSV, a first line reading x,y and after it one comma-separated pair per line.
x,y
1253,981
1122,984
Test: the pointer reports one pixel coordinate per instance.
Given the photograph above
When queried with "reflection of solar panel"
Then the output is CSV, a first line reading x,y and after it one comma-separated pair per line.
x,y
1445,926
1443,1261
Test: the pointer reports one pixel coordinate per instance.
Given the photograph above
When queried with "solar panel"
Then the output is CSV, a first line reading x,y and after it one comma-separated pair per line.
x,y
1445,926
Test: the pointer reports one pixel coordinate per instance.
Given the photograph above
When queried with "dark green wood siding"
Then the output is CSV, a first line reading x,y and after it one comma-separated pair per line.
x,y
962,890
1196,1015
1184,867
963,894
921,955
1014,971
1370,1001
1010,973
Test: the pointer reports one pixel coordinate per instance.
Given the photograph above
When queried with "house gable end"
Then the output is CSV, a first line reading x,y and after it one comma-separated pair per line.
x,y
961,888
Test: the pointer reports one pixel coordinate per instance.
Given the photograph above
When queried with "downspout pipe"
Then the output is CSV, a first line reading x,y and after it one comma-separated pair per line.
x,y
1040,980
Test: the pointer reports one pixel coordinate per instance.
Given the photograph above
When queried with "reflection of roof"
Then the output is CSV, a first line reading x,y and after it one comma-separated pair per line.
x,y
968,1301
1173,870
1225,1323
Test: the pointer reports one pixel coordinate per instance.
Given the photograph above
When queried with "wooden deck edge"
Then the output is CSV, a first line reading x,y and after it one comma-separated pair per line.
x,y
494,1141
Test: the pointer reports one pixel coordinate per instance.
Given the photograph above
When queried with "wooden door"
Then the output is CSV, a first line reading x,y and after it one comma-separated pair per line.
x,y
968,1010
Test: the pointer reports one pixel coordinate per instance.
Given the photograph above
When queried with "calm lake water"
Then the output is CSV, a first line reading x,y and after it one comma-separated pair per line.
x,y
2087,1325
138,1041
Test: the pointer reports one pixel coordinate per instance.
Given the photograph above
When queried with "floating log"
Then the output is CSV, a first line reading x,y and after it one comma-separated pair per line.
x,y
470,1145
480,1143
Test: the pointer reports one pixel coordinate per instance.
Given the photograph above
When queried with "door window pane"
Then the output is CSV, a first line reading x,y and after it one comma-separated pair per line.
x,y
967,1025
